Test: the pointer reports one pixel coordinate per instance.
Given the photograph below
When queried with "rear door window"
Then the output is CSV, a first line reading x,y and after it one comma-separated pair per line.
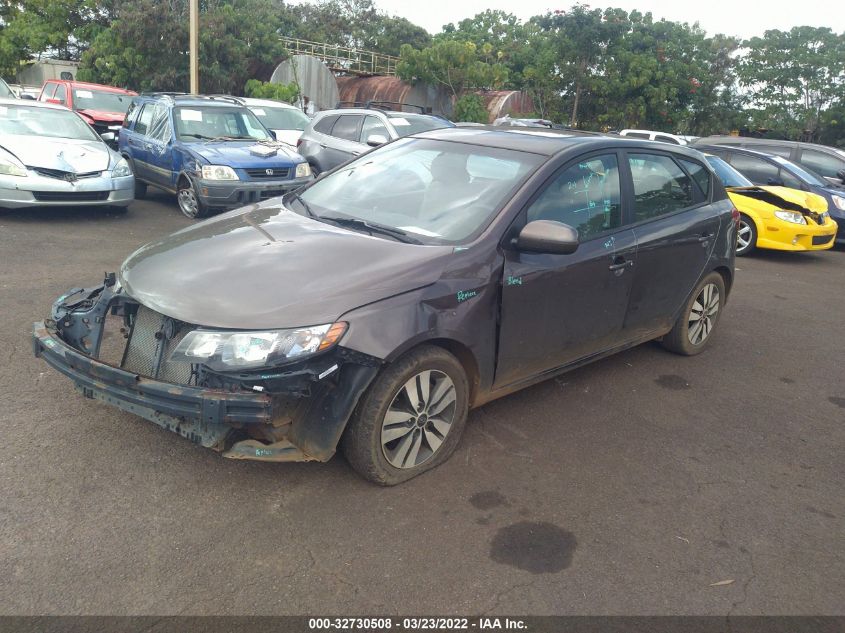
x,y
347,127
660,186
324,125
586,196
757,170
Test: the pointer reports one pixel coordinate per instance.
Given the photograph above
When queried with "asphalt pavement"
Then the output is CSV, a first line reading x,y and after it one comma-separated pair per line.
x,y
647,483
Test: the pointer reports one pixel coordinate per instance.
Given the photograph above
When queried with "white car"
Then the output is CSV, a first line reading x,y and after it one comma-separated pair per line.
x,y
651,135
286,121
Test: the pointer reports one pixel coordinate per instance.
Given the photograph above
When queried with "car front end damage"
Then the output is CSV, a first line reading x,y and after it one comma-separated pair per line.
x,y
118,351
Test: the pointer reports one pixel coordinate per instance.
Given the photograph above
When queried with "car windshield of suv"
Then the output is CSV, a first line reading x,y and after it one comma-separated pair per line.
x,y
88,99
275,118
5,91
434,191
811,178
729,176
407,124
198,123
36,121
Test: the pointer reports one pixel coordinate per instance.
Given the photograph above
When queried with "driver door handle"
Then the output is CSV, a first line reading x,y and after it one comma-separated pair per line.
x,y
620,263
705,237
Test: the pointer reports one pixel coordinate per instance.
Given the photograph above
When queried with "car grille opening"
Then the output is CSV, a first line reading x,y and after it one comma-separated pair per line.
x,y
818,240
68,176
70,196
274,173
145,349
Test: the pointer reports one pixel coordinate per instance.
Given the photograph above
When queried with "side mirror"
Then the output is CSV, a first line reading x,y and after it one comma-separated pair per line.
x,y
273,134
774,182
841,175
374,140
547,236
107,136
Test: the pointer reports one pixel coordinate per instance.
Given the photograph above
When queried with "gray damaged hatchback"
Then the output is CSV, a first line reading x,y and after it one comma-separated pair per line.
x,y
373,308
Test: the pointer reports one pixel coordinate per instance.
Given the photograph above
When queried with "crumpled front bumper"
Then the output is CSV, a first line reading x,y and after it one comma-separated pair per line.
x,y
265,425
225,194
41,191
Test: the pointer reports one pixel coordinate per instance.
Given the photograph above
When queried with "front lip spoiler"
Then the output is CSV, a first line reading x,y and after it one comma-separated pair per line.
x,y
205,416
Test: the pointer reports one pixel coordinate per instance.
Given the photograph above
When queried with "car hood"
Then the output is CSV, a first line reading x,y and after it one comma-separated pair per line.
x,y
102,115
784,198
71,155
266,267
241,154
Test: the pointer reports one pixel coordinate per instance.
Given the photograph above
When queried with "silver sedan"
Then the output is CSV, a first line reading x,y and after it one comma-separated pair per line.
x,y
50,156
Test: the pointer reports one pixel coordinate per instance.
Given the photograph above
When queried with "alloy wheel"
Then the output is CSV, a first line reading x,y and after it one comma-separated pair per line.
x,y
418,419
744,236
188,202
702,316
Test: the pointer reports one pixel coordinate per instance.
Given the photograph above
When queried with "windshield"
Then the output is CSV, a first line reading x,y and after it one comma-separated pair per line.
x,y
729,176
5,91
38,121
436,191
407,124
811,178
87,99
197,123
275,118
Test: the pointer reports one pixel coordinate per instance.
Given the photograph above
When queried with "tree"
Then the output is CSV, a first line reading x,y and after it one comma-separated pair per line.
x,y
146,47
450,64
287,93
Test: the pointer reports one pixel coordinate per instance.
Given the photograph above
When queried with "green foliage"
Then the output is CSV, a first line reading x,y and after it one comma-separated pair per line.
x,y
146,47
453,64
470,107
287,93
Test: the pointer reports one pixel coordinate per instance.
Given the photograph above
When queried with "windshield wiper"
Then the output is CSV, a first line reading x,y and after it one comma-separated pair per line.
x,y
295,196
354,223
232,138
196,136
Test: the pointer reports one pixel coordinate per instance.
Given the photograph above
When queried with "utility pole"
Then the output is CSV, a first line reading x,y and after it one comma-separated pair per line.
x,y
194,46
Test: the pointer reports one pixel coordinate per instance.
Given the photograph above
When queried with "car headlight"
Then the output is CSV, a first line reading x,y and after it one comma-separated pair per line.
x,y
303,170
11,166
839,201
121,169
218,172
791,216
221,350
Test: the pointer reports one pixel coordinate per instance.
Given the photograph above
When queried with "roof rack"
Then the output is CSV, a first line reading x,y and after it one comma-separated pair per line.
x,y
185,95
391,106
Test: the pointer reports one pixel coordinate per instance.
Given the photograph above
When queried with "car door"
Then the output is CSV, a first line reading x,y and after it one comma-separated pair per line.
x,y
556,309
136,142
676,230
159,147
828,165
342,143
757,170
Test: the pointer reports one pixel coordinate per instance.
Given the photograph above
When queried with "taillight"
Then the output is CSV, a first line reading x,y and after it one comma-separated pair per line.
x,y
735,216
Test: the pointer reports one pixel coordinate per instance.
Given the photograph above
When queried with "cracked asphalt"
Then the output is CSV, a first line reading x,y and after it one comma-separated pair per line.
x,y
647,483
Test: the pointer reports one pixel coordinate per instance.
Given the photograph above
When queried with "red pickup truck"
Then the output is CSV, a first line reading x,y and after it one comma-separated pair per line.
x,y
102,106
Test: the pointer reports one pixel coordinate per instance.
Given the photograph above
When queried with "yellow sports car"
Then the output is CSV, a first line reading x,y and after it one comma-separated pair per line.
x,y
780,218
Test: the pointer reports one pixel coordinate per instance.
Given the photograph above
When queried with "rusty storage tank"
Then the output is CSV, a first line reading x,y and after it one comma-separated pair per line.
x,y
315,79
364,89
502,102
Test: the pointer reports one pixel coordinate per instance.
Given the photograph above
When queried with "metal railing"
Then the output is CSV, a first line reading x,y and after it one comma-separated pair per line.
x,y
343,58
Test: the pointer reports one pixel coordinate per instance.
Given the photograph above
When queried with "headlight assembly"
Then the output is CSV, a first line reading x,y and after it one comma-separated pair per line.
x,y
222,350
839,201
791,216
11,166
303,170
121,169
218,172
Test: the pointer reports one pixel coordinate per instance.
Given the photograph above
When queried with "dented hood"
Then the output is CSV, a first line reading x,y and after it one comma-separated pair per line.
x,y
65,154
266,267
784,198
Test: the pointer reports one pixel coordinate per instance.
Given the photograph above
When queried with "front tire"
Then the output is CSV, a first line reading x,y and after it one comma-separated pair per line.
x,y
694,329
189,202
746,236
411,418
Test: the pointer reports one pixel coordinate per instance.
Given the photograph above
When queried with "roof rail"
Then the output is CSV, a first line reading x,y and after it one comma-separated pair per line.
x,y
392,106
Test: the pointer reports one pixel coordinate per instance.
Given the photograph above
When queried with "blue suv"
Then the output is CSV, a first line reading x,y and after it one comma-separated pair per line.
x,y
212,152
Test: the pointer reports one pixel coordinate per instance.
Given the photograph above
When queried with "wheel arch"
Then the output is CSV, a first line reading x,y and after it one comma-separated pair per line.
x,y
727,278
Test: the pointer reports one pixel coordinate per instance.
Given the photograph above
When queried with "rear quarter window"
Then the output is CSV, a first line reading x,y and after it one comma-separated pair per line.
x,y
700,175
660,186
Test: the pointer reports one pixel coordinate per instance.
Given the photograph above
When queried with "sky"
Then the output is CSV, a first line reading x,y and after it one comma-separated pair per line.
x,y
743,18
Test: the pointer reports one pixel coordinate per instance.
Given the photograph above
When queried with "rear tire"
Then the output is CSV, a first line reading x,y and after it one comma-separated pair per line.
x,y
695,326
411,418
746,237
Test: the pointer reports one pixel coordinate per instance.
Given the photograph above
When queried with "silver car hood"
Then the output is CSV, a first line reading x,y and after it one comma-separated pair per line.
x,y
71,155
